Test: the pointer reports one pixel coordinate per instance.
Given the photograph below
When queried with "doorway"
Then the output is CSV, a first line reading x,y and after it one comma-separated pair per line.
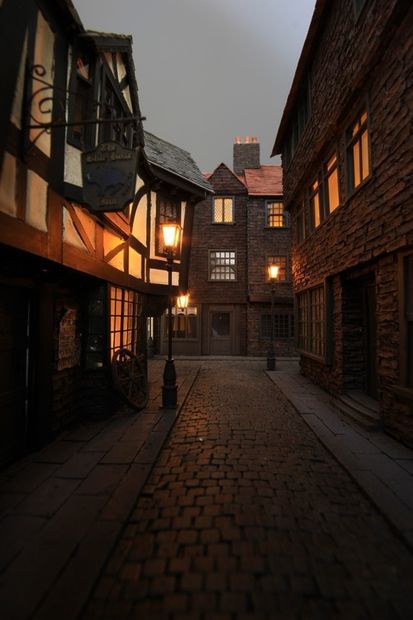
x,y
14,372
220,330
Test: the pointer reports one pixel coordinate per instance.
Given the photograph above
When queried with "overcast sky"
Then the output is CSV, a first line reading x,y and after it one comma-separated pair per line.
x,y
209,70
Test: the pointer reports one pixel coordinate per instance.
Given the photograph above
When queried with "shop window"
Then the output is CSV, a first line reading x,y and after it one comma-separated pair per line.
x,y
358,159
223,210
276,216
167,210
283,326
222,265
185,323
125,313
282,263
311,322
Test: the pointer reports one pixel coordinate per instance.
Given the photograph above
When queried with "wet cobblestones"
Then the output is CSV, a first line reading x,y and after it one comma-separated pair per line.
x,y
246,515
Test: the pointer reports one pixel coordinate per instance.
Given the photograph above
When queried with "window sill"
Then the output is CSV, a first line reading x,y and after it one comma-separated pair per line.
x,y
353,192
277,227
403,393
223,223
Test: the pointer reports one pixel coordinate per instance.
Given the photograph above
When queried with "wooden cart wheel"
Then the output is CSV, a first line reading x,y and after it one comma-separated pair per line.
x,y
129,377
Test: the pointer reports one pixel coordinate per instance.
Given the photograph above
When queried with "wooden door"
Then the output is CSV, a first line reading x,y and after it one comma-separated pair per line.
x,y
220,326
370,340
14,360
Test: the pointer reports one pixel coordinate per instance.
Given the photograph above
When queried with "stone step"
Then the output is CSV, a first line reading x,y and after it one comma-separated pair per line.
x,y
362,411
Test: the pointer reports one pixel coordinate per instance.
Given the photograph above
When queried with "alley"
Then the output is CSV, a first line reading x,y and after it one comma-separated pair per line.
x,y
246,515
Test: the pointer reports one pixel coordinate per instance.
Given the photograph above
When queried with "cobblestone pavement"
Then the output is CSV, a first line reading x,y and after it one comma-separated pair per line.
x,y
246,515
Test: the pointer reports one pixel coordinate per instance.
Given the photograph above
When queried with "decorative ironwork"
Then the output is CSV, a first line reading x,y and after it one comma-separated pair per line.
x,y
43,102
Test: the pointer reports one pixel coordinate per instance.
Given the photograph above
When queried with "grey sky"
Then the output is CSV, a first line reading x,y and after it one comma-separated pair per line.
x,y
209,70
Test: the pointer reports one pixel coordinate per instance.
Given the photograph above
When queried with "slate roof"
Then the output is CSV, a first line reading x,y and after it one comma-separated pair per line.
x,y
175,160
264,181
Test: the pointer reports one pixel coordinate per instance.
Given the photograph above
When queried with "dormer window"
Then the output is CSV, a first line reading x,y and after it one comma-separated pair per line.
x,y
81,96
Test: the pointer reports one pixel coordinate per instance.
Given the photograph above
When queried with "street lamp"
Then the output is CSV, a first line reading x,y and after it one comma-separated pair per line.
x,y
272,276
182,301
171,232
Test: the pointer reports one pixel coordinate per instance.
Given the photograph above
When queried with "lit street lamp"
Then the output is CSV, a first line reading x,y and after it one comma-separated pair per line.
x,y
272,276
171,232
182,301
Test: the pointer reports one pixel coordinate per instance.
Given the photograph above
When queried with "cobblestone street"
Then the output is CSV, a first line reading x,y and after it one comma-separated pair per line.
x,y
247,515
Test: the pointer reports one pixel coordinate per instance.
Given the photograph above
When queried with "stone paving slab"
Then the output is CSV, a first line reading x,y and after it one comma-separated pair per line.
x,y
381,466
63,507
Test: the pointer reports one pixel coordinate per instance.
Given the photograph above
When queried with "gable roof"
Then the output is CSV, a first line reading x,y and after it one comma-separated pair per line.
x,y
264,181
217,173
174,160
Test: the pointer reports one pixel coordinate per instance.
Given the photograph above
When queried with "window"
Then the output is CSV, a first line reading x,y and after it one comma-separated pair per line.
x,y
283,326
185,323
316,204
167,210
222,265
81,93
112,107
332,198
406,326
358,165
125,313
223,210
298,122
95,327
276,217
300,223
281,261
310,321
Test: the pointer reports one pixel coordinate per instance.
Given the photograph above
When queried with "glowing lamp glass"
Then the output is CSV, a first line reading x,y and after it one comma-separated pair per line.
x,y
182,301
273,271
171,233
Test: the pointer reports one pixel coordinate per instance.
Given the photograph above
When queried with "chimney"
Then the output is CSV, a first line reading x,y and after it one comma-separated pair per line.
x,y
246,153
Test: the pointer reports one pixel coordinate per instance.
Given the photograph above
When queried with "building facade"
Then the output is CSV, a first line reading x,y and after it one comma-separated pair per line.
x,y
76,283
347,149
237,232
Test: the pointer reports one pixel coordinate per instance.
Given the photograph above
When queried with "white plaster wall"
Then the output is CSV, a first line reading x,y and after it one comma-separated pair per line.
x,y
8,203
135,263
139,222
73,168
16,112
70,234
36,201
159,276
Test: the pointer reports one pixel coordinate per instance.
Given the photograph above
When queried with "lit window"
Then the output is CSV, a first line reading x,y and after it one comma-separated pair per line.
x,y
331,179
276,217
316,204
281,261
185,323
222,211
222,265
125,312
358,151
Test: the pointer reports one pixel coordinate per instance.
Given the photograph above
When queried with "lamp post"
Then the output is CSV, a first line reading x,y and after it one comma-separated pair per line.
x,y
171,232
272,276
182,301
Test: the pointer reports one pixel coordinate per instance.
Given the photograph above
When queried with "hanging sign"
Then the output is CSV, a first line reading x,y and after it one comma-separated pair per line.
x,y
109,176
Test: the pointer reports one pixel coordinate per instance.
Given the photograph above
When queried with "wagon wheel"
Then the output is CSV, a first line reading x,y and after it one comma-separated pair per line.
x,y
129,377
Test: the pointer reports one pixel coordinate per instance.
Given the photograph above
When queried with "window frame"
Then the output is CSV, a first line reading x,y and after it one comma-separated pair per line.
x,y
88,136
223,198
122,296
308,324
267,316
351,139
176,312
226,280
285,216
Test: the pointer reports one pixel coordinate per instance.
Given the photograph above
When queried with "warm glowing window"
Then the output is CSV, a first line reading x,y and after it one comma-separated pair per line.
x,y
222,265
310,321
331,181
316,204
276,217
281,261
223,210
125,313
358,151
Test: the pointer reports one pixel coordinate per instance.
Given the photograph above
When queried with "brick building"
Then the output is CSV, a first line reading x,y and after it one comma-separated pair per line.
x,y
347,148
236,233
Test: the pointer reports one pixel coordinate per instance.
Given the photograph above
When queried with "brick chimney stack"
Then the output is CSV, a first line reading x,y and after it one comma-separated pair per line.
x,y
246,153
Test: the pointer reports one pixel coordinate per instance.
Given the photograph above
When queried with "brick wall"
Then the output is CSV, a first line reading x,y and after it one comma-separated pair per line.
x,y
369,60
246,155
